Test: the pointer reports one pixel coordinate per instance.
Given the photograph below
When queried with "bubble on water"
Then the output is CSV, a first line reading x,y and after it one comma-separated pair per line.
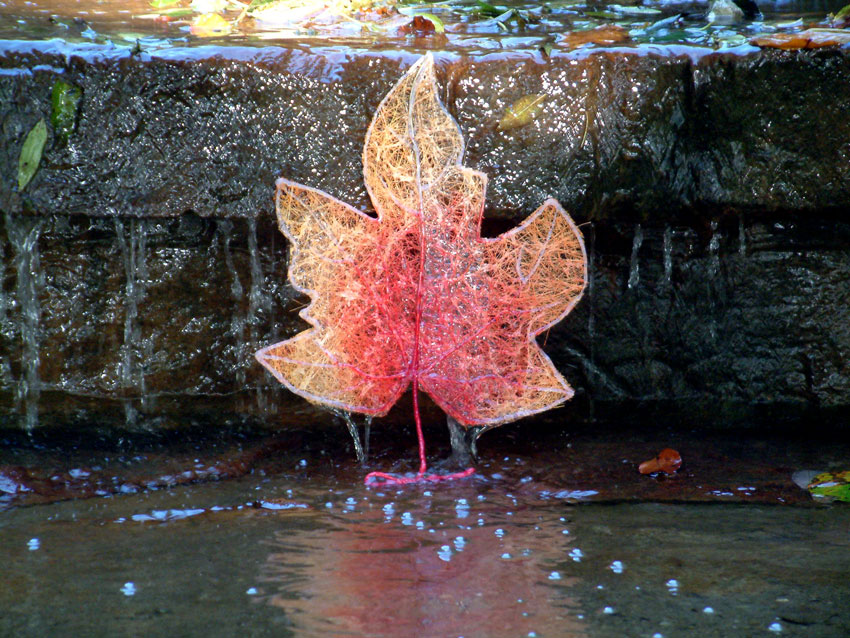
x,y
555,576
302,463
708,610
673,586
420,525
481,497
33,544
506,556
499,532
576,554
407,518
251,591
460,543
129,589
565,532
329,505
462,508
616,567
775,627
608,610
445,553
389,511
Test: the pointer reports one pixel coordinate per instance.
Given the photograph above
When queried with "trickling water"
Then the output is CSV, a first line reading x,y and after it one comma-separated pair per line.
x,y
135,350
23,234
591,319
361,450
634,267
668,255
237,317
257,302
714,250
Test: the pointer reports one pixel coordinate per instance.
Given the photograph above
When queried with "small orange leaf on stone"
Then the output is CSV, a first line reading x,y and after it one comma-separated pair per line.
x,y
667,461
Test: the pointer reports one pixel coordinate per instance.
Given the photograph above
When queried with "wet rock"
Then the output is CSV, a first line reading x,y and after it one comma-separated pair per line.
x,y
141,267
661,132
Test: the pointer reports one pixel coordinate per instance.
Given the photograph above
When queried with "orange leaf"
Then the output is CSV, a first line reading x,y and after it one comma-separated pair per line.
x,y
667,461
416,297
808,39
606,34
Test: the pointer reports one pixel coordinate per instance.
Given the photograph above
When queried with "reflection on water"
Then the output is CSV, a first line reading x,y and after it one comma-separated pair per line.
x,y
435,571
548,540
310,554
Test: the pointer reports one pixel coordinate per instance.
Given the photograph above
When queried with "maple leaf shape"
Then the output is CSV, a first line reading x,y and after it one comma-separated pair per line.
x,y
415,296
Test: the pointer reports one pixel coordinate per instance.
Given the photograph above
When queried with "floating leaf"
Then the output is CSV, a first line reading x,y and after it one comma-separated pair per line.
x,y
841,19
63,115
422,24
808,39
604,35
487,9
439,27
833,485
416,297
210,25
31,153
522,112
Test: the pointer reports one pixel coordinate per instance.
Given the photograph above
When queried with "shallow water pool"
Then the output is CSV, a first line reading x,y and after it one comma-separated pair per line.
x,y
532,545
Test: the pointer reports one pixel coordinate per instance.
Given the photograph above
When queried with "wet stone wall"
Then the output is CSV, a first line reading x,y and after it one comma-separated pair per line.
x,y
141,267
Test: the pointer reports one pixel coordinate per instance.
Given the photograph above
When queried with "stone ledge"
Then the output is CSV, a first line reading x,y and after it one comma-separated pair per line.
x,y
717,194
650,131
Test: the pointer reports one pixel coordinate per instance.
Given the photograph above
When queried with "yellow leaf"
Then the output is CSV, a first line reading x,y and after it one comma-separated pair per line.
x,y
210,25
522,112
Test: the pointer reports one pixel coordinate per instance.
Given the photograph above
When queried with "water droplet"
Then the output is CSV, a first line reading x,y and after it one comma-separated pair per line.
x,y
251,591
129,589
555,576
33,544
576,554
708,610
407,518
499,532
616,567
775,627
445,553
608,610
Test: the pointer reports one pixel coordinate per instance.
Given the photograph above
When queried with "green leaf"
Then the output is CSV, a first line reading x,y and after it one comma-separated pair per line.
x,y
161,4
63,114
840,492
843,12
31,154
487,9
